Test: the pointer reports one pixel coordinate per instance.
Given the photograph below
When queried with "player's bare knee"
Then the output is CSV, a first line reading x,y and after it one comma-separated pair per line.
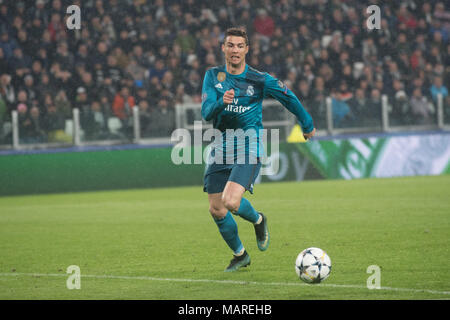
x,y
217,213
231,203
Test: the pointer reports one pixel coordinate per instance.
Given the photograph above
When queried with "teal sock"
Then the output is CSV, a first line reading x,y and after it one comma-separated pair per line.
x,y
229,231
247,212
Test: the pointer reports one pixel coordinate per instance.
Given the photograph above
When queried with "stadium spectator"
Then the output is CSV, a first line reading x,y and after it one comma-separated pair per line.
x,y
63,104
7,44
374,106
154,90
22,98
158,70
95,123
318,109
4,65
163,117
141,95
55,27
24,120
401,113
28,46
61,77
82,102
122,108
31,126
421,109
122,104
7,91
181,96
145,118
88,83
29,87
406,17
112,71
223,20
39,12
3,115
63,55
342,115
358,105
263,23
438,88
55,124
45,86
105,103
185,40
194,85
20,63
264,27
36,70
135,70
441,15
417,60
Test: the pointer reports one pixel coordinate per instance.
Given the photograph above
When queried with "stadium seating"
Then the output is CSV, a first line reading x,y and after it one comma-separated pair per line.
x,y
160,51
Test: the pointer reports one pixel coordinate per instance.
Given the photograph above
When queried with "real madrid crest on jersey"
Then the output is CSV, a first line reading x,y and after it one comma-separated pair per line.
x,y
250,90
221,76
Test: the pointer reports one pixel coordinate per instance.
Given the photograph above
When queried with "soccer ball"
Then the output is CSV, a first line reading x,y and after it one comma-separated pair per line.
x,y
313,265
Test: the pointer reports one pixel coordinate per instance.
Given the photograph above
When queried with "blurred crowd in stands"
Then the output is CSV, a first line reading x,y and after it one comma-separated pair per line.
x,y
153,54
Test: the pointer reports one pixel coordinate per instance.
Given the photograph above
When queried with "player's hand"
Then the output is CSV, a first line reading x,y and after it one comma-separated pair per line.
x,y
228,96
309,135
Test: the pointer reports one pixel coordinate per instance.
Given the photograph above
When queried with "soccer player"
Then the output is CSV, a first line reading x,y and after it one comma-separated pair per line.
x,y
232,96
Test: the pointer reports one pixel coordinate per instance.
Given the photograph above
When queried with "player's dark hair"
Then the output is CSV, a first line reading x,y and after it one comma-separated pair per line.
x,y
237,32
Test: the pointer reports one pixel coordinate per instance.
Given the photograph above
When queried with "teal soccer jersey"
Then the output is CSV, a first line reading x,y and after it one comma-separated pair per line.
x,y
250,88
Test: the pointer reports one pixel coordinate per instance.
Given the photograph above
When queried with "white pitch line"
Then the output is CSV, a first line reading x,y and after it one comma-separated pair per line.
x,y
224,282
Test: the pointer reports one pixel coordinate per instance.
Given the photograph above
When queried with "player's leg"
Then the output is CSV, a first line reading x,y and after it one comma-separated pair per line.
x,y
229,231
225,222
234,201
215,180
242,179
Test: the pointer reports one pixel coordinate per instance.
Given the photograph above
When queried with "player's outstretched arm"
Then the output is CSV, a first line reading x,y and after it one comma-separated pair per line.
x,y
278,90
212,104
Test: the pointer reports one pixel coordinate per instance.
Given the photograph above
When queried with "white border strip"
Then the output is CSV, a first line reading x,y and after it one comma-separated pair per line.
x,y
235,282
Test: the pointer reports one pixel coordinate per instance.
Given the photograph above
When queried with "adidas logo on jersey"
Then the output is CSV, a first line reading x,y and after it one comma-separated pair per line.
x,y
218,86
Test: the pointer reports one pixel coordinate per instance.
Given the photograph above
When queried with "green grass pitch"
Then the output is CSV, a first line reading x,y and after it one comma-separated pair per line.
x,y
163,244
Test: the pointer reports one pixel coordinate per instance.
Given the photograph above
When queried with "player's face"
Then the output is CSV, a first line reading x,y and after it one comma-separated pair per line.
x,y
235,50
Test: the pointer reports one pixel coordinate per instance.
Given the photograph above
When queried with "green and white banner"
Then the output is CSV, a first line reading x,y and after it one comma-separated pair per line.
x,y
410,155
141,167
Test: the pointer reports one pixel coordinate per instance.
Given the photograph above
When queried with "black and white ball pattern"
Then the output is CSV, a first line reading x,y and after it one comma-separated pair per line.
x,y
313,265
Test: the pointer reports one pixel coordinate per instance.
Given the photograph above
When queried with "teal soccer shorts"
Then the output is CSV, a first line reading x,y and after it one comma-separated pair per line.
x,y
217,176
